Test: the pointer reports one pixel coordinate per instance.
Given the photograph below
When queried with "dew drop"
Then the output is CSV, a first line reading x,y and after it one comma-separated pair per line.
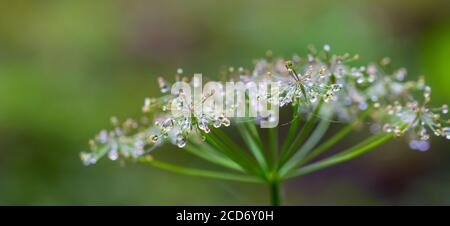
x,y
154,138
167,125
328,96
360,80
226,122
424,135
446,132
401,74
163,85
102,137
88,158
313,98
185,124
336,87
387,128
181,141
113,153
427,92
397,131
445,109
217,123
146,107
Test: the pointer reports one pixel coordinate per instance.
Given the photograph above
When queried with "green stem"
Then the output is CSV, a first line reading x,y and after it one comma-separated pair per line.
x,y
208,153
222,143
330,142
275,192
273,146
351,153
199,172
301,136
312,141
292,130
251,139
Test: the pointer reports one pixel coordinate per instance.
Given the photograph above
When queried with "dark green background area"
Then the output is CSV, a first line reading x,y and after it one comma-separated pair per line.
x,y
67,66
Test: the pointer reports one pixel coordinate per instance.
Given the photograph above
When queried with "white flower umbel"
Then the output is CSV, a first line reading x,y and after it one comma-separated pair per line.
x,y
321,87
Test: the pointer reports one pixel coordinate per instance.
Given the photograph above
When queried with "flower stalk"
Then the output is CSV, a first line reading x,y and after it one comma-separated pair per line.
x,y
275,192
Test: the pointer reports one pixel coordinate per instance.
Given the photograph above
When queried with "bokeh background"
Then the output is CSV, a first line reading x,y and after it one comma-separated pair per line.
x,y
67,66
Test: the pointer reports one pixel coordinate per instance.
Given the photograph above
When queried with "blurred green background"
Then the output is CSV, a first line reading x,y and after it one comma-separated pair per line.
x,y
67,66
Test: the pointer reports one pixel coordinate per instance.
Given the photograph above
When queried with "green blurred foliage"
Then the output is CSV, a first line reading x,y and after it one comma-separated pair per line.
x,y
67,66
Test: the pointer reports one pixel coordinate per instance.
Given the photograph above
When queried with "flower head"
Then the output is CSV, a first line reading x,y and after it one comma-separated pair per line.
x,y
396,105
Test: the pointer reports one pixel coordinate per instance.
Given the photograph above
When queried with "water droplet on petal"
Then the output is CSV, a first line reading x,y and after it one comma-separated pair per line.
x,y
185,124
328,96
154,138
163,85
336,87
113,153
146,107
360,80
226,122
181,141
313,98
217,123
445,109
424,135
88,158
397,131
446,132
427,92
387,128
102,137
400,74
